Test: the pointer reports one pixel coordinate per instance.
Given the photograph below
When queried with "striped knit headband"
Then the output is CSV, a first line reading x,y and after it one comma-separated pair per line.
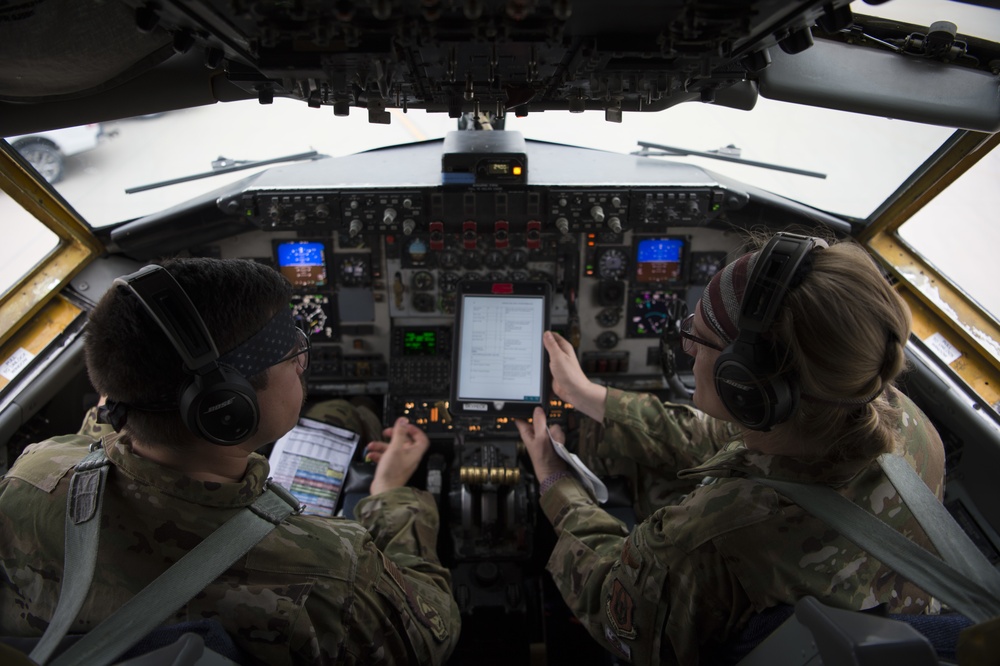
x,y
720,304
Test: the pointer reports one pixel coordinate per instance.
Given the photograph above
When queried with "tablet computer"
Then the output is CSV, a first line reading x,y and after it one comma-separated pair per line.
x,y
499,363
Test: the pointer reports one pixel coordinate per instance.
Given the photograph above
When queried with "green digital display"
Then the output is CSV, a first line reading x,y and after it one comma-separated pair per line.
x,y
419,343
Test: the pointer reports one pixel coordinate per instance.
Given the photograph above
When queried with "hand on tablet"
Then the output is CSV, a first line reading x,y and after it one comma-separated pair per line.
x,y
535,435
568,380
398,459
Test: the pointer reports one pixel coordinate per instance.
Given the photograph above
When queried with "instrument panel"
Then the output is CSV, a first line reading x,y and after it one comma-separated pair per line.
x,y
376,274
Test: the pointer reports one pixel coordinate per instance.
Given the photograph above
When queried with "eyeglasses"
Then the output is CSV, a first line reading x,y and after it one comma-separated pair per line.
x,y
689,339
302,349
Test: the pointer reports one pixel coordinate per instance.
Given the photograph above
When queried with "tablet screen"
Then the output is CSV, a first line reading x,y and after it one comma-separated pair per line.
x,y
499,354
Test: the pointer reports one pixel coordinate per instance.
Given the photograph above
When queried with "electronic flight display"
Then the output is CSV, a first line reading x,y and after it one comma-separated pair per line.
x,y
659,261
303,263
313,313
650,311
420,342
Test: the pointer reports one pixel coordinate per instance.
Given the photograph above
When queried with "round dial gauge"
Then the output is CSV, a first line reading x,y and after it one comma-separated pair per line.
x,y
608,317
541,276
423,281
448,259
517,259
606,340
448,282
704,266
496,276
472,259
494,259
519,276
353,271
612,264
423,302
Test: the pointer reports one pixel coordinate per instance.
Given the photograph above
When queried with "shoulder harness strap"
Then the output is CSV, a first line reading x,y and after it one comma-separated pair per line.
x,y
168,592
959,581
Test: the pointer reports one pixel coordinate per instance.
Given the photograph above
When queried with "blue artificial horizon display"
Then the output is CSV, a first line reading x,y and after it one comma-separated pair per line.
x,y
659,259
303,263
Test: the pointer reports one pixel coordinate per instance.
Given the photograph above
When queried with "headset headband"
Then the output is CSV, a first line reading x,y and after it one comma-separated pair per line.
x,y
771,278
172,309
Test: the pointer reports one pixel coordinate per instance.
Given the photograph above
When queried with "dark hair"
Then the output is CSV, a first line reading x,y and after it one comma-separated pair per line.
x,y
130,359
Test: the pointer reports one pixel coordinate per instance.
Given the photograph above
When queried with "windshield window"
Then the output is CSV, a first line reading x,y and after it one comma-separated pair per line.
x,y
957,232
28,242
864,158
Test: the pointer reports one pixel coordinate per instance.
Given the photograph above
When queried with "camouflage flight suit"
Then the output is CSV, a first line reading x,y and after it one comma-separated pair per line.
x,y
315,590
690,576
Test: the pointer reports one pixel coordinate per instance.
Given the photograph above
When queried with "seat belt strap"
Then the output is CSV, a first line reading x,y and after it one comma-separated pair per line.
x,y
949,539
167,593
83,524
891,548
175,586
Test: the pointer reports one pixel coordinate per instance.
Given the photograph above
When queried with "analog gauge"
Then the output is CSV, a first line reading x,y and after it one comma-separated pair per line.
x,y
448,282
608,317
353,271
448,304
610,292
312,313
704,266
650,312
448,259
541,276
612,264
472,275
423,281
519,276
423,302
494,259
416,250
517,259
472,259
496,276
606,340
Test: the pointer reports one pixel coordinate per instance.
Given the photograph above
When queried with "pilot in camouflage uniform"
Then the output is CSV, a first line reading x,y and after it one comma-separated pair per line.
x,y
315,590
715,547
723,547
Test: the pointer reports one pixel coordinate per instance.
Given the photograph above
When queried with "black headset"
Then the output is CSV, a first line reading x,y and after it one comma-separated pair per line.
x,y
216,402
746,373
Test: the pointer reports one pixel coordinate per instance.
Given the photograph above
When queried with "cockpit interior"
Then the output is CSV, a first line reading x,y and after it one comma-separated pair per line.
x,y
377,240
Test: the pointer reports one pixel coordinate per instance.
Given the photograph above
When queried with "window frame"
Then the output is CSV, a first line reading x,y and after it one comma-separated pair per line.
x,y
76,247
938,304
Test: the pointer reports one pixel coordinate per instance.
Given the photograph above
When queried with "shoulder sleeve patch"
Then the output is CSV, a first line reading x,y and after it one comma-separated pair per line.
x,y
621,611
422,611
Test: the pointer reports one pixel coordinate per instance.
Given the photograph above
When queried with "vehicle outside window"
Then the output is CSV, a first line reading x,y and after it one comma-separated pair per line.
x,y
47,151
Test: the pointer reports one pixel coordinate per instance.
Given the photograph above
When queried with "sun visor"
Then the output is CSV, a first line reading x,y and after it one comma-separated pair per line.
x,y
858,79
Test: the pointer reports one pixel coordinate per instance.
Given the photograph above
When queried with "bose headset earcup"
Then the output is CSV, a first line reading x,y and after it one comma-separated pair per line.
x,y
220,406
756,397
746,373
216,402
